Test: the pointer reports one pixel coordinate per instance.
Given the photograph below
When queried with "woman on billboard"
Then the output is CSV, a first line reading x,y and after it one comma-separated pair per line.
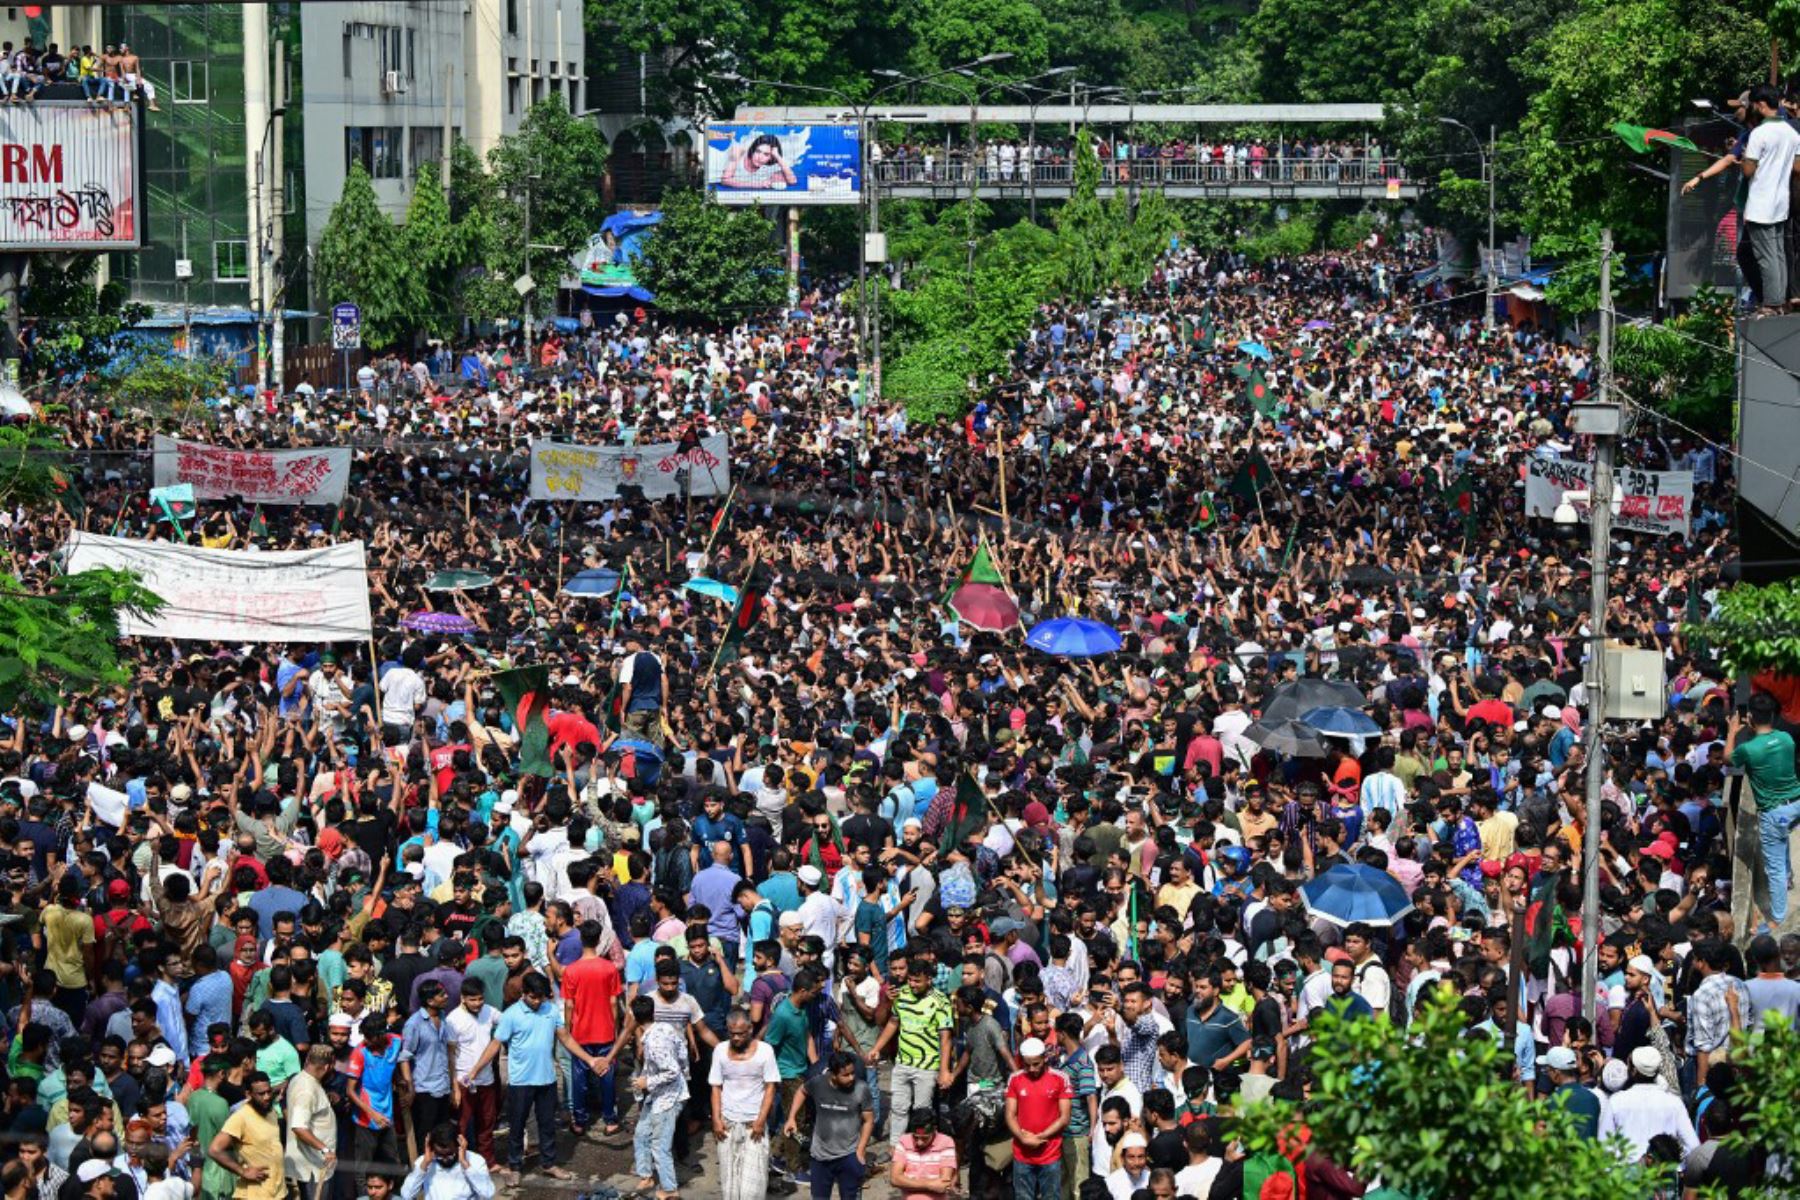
x,y
757,166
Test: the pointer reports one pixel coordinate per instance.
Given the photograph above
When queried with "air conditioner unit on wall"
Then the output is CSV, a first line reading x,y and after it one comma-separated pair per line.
x,y
390,84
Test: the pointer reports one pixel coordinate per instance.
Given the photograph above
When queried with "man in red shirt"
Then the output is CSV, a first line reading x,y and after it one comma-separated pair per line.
x,y
592,988
1038,1104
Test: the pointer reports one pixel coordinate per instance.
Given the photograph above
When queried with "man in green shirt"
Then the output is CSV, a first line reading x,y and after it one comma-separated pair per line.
x,y
276,1057
1767,760
789,1034
208,1111
920,1019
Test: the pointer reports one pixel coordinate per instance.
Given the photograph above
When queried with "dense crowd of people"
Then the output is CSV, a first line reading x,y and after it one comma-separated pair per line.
x,y
1049,157
875,893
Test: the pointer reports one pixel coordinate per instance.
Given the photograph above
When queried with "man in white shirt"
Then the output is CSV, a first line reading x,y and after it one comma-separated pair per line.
x,y
744,1079
1646,1108
1768,163
820,915
403,694
475,1093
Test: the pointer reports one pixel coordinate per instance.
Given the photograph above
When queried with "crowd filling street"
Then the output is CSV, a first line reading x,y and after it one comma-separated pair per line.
x,y
827,885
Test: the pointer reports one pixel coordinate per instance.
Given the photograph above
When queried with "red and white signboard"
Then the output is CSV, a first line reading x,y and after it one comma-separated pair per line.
x,y
316,476
69,177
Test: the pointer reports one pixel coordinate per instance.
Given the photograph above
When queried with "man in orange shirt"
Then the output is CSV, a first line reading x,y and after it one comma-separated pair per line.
x,y
592,992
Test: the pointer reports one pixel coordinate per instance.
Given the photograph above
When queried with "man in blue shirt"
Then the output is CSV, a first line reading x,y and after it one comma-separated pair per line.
x,y
425,1057
209,997
530,1031
714,824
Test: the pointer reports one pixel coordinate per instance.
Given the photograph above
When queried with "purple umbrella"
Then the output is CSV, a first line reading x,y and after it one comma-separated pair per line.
x,y
439,622
1317,325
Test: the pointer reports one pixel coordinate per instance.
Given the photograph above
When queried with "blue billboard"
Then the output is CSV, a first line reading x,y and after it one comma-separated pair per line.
x,y
784,164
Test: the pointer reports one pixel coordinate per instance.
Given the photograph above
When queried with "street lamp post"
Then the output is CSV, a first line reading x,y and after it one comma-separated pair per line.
x,y
1487,170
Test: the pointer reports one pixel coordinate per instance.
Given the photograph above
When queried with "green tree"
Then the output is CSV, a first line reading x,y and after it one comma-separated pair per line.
x,y
948,32
63,640
556,163
1666,366
362,260
167,386
1430,1109
75,321
437,248
1755,628
1081,225
1767,1101
1620,60
710,261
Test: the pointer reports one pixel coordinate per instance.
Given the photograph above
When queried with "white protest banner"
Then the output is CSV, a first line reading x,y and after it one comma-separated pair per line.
x,y
316,476
237,595
1660,502
561,471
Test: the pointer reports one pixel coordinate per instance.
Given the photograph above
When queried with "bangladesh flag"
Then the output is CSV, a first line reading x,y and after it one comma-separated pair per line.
x,y
748,609
1460,496
526,693
966,813
1643,139
1546,925
259,528
981,568
1206,515
67,494
1261,399
1251,478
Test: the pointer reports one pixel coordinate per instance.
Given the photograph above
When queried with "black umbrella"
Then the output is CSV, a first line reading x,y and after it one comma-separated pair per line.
x,y
1287,737
1289,700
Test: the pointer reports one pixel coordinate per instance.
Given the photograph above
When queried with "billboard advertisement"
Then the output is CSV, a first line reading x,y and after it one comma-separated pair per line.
x,y
760,163
69,177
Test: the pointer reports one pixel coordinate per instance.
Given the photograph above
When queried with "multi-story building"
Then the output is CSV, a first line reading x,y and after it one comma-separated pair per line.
x,y
263,106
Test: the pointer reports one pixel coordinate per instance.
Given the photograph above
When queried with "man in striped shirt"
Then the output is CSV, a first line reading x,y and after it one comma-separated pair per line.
x,y
920,1024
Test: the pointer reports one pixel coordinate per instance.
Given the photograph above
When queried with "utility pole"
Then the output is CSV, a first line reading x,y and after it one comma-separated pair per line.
x,y
525,295
1493,250
444,163
187,321
1599,552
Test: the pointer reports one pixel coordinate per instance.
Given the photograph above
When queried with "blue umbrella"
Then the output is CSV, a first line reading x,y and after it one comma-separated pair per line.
x,y
1073,637
713,588
597,581
1340,722
1356,892
1256,350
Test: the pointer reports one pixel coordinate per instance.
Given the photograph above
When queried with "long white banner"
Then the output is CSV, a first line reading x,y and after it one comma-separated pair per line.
x,y
239,596
561,471
315,476
1659,502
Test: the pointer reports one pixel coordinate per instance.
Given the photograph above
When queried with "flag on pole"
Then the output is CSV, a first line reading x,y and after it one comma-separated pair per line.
x,y
748,610
1460,497
1546,925
1644,139
259,528
526,693
177,504
1251,478
981,568
1261,399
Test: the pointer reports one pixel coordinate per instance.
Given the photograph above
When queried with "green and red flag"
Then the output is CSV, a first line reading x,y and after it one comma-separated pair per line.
x,y
981,568
1644,139
1206,513
525,691
1546,925
1252,477
259,528
748,609
1260,397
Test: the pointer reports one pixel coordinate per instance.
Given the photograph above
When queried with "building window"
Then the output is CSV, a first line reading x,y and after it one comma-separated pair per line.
x,y
427,146
411,55
187,82
512,94
512,16
231,262
378,148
